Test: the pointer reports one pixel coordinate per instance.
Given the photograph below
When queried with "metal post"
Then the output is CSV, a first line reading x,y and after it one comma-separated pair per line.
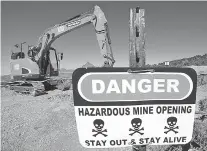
x,y
21,50
136,47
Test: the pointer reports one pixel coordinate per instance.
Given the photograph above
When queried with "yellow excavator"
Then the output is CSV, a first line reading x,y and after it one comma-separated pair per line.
x,y
38,70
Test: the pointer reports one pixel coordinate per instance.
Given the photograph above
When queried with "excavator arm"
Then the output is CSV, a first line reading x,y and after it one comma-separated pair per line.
x,y
94,16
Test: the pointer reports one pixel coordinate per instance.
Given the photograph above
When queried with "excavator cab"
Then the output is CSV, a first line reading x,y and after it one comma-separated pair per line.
x,y
53,62
17,55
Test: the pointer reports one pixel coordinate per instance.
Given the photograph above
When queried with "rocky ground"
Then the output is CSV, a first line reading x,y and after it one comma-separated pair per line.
x,y
47,123
42,123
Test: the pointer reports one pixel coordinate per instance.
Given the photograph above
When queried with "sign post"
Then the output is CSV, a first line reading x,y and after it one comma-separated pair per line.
x,y
137,56
120,107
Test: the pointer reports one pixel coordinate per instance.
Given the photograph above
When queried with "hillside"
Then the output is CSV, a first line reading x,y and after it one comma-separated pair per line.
x,y
88,65
62,70
198,60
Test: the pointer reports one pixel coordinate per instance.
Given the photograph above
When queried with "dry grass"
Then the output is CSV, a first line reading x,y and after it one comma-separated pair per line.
x,y
203,105
200,134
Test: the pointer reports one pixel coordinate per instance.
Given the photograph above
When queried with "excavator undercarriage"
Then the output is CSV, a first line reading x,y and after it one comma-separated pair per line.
x,y
36,88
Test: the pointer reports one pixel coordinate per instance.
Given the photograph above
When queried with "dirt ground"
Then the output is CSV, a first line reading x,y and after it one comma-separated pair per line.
x,y
47,122
43,123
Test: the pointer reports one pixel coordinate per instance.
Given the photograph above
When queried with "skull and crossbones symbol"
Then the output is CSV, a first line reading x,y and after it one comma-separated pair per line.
x,y
136,124
99,124
171,121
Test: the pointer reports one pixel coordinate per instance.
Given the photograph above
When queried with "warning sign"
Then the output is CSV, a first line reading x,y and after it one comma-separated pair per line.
x,y
118,108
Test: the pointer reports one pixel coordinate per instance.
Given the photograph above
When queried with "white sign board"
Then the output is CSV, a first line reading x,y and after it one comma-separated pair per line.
x,y
115,108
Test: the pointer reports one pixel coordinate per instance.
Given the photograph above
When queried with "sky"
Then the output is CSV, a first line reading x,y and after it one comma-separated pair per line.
x,y
174,30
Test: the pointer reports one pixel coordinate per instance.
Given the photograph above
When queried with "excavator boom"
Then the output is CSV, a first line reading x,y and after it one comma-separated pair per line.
x,y
94,16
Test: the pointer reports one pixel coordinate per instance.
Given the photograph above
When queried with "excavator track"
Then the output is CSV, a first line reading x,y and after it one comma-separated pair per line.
x,y
36,88
33,88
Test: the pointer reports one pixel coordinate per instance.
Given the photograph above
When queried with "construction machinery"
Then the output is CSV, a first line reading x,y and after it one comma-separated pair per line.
x,y
38,70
